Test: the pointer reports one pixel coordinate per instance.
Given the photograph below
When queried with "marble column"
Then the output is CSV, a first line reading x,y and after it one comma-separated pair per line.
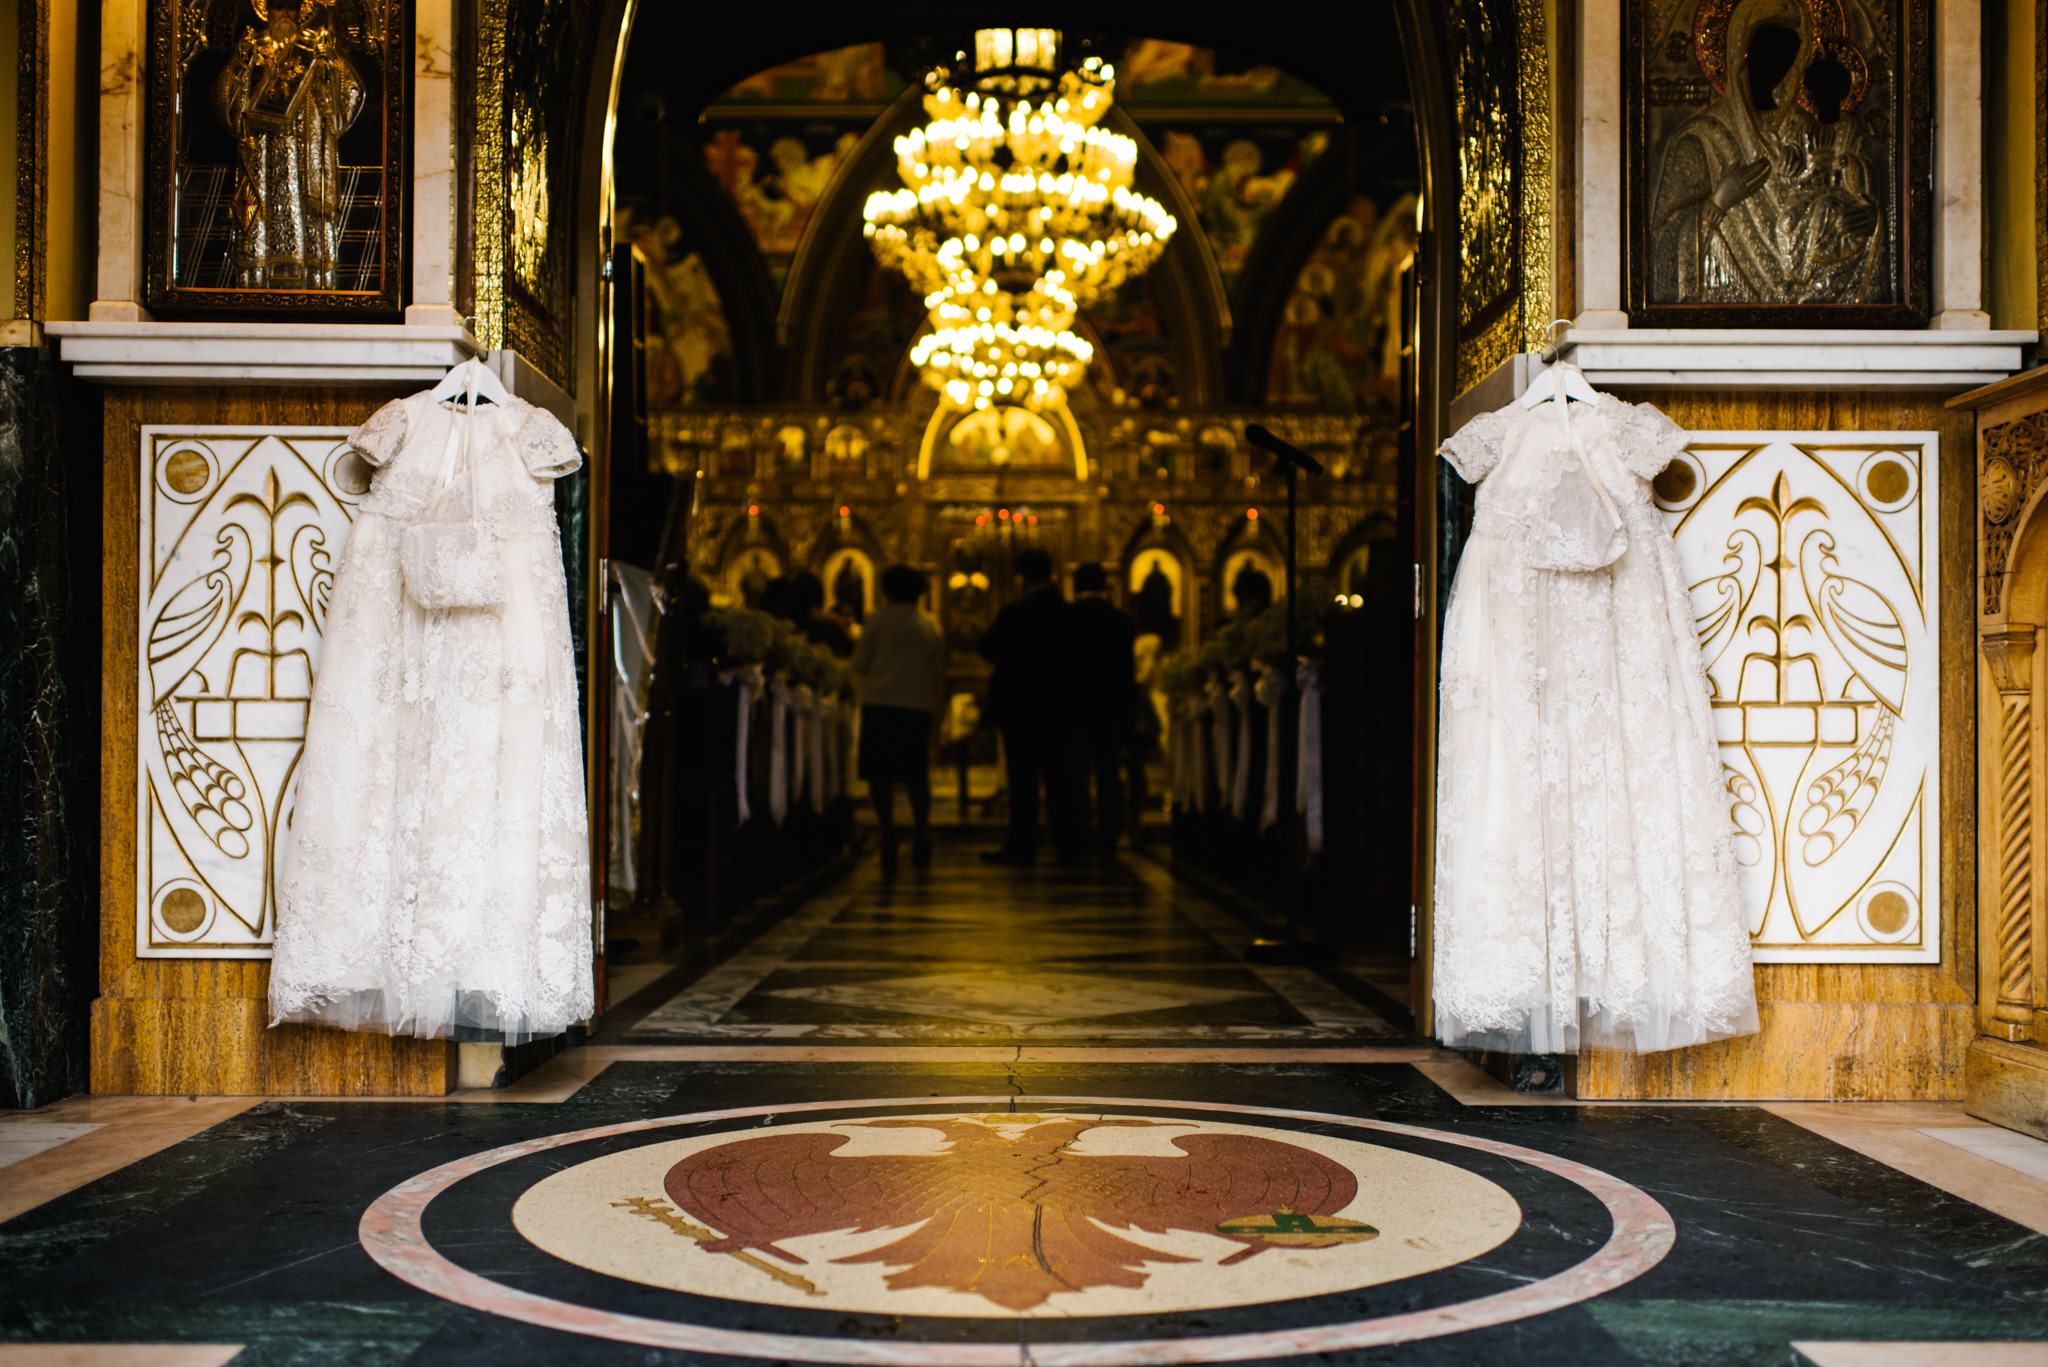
x,y
124,39
48,742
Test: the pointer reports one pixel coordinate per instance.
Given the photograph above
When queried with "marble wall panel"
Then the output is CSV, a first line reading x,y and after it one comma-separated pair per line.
x,y
241,531
1812,560
46,746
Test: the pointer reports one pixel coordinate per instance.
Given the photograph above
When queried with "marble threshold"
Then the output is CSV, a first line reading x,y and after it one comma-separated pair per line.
x,y
118,1354
1915,1354
261,353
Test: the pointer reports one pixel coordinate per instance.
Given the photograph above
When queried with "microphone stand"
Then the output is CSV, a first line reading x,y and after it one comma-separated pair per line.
x,y
1291,949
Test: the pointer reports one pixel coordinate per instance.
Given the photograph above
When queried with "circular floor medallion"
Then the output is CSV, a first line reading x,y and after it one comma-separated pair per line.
x,y
988,1214
1079,1207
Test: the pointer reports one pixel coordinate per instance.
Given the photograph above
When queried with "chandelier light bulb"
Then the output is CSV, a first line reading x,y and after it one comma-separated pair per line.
x,y
1022,215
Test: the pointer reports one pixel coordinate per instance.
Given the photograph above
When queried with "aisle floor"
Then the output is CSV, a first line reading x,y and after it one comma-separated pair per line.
x,y
963,953
988,1117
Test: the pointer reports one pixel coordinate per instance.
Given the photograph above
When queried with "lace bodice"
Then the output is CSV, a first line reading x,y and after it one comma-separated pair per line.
x,y
1523,462
516,449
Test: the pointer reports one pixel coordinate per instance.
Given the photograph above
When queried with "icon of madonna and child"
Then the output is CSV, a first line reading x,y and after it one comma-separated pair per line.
x,y
1773,193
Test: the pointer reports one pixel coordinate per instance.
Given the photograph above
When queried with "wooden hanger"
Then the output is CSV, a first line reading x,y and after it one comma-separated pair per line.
x,y
485,383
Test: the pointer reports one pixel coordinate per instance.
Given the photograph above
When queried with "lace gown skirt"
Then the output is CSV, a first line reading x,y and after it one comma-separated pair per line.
x,y
1585,886
437,874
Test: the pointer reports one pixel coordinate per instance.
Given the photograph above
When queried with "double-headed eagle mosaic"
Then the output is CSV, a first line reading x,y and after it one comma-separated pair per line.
x,y
1007,1210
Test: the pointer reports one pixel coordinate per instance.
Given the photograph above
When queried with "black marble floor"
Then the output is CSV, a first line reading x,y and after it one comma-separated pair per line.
x,y
967,954
254,1232
790,1171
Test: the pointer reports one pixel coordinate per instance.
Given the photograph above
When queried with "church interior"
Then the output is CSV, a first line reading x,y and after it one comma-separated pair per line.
x,y
705,687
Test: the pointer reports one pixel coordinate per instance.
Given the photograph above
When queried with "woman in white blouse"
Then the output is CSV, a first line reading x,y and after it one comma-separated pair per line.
x,y
901,659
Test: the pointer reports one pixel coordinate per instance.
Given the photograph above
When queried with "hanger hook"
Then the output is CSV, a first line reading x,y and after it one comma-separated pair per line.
x,y
1549,353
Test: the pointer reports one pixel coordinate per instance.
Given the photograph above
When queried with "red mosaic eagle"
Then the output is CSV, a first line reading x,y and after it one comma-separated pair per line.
x,y
1011,1213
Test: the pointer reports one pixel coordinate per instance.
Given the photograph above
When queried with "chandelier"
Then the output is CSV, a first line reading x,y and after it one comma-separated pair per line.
x,y
1016,212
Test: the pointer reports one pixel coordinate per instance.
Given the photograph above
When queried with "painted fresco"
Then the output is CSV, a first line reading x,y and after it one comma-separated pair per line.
x,y
1236,137
1133,355
1237,174
849,75
1339,343
689,345
1155,72
776,172
868,341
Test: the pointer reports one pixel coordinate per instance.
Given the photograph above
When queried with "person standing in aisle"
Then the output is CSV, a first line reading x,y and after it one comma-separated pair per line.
x,y
1106,695
1029,699
901,659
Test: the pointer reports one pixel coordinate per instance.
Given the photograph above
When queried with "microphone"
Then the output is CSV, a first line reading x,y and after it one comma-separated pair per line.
x,y
1285,453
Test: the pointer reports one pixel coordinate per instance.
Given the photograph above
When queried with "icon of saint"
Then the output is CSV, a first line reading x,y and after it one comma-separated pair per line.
x,y
288,94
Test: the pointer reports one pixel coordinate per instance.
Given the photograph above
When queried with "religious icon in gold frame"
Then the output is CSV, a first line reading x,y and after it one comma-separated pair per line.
x,y
1779,163
276,168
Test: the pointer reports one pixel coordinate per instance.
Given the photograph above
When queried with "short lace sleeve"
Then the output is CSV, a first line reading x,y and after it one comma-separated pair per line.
x,y
1646,440
378,440
1474,449
546,446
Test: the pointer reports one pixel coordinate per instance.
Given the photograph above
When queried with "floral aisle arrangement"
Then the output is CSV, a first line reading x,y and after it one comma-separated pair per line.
x,y
808,692
1211,691
755,637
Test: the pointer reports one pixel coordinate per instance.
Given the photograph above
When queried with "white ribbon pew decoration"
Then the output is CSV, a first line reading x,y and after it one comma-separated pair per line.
x,y
1271,692
1187,721
748,677
801,703
1220,713
830,728
819,759
778,750
849,737
1241,776
1176,756
1308,769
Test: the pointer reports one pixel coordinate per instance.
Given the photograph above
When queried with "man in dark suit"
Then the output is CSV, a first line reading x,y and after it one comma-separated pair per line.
x,y
1030,699
1106,697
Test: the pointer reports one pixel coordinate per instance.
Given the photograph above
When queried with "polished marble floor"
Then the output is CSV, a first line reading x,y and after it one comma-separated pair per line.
x,y
964,953
1114,1142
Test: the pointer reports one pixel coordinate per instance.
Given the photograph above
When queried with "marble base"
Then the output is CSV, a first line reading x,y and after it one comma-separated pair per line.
x,y
261,353
2007,1084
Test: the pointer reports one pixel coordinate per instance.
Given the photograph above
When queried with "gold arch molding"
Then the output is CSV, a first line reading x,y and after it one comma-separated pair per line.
x,y
946,416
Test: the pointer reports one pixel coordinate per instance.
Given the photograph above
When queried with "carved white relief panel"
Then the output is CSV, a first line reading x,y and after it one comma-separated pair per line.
x,y
1813,562
241,531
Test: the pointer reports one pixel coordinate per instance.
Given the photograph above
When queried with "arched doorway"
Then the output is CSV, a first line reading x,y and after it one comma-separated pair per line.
x,y
738,188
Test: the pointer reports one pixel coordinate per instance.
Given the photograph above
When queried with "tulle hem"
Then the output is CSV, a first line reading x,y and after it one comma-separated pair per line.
x,y
473,1013
1543,1032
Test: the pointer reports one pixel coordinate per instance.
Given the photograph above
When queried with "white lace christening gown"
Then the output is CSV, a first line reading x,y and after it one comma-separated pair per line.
x,y
1586,887
436,871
